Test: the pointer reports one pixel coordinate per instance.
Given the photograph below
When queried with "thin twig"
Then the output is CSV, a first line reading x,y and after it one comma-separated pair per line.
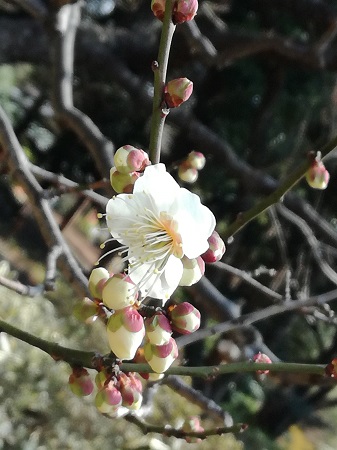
x,y
178,432
158,114
22,289
179,386
249,280
256,316
52,258
312,241
71,186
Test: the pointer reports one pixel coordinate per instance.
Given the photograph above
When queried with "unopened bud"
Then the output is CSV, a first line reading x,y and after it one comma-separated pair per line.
x,y
262,358
158,8
108,399
184,10
131,390
97,279
317,176
160,357
196,160
185,318
187,173
158,329
80,382
193,270
125,331
216,249
130,159
119,292
123,182
178,91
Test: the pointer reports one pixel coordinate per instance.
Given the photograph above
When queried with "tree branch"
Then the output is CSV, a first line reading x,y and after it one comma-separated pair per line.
x,y
19,166
178,432
63,34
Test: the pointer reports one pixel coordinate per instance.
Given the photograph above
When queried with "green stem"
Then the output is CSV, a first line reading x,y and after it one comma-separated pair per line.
x,y
249,366
158,115
56,351
245,217
87,359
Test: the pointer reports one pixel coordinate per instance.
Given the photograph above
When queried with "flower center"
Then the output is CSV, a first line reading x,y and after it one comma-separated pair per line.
x,y
170,226
153,238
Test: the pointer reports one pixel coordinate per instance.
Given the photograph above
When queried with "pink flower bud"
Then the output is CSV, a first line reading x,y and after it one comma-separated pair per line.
x,y
158,329
160,357
178,91
123,182
184,10
131,389
130,159
125,332
187,173
119,292
262,358
216,249
158,8
192,424
140,358
80,382
86,311
196,160
108,399
185,318
193,270
317,176
97,279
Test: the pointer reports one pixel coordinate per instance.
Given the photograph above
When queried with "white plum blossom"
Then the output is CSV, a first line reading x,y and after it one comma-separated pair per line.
x,y
157,225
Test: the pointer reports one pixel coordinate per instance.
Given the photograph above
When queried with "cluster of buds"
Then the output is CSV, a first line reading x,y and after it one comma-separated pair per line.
x,y
317,176
113,390
127,328
160,349
188,170
118,391
129,163
216,249
183,10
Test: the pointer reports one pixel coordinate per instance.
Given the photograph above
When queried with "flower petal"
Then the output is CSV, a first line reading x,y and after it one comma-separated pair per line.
x,y
196,223
158,184
157,285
